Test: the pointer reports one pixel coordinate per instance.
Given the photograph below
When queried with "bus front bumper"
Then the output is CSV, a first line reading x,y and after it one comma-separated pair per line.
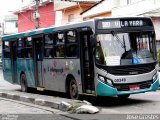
x,y
103,89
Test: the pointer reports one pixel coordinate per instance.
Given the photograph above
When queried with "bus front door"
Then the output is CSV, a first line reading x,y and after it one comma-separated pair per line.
x,y
38,58
87,62
13,47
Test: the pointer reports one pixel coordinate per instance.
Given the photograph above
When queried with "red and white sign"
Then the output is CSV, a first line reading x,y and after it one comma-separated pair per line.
x,y
134,88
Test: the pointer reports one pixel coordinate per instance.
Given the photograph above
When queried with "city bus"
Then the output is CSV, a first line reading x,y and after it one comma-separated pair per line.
x,y
99,57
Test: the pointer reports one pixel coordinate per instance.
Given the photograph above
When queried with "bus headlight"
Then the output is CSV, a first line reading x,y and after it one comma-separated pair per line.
x,y
105,80
109,82
157,67
101,78
155,76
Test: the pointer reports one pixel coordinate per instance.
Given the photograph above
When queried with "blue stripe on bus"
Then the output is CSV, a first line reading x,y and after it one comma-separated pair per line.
x,y
27,66
7,71
8,37
106,90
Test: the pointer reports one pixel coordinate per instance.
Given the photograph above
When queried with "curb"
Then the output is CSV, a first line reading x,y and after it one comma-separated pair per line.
x,y
36,101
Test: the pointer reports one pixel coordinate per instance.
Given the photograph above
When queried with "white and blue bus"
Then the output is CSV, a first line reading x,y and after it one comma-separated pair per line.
x,y
100,57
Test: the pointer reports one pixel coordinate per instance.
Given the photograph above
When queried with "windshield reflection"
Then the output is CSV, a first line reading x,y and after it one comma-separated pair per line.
x,y
125,48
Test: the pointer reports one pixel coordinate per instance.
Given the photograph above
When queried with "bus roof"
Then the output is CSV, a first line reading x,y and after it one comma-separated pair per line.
x,y
47,30
28,33
67,26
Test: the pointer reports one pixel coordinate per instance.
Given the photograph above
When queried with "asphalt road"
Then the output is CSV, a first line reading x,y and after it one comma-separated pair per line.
x,y
136,104
145,103
145,106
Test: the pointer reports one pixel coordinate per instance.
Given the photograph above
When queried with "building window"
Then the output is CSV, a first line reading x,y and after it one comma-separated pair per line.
x,y
70,18
128,2
16,24
132,1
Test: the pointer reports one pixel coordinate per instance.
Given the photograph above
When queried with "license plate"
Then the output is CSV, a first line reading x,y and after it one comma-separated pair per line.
x,y
134,88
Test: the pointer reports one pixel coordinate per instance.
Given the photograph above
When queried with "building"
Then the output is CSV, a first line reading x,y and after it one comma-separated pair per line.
x,y
57,12
10,24
115,8
1,28
101,9
71,9
149,8
31,17
65,11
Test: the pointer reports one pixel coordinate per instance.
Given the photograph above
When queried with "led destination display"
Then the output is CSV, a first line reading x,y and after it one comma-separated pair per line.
x,y
108,24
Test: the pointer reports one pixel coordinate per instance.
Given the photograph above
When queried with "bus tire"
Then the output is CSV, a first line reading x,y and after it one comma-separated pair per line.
x,y
23,83
73,89
124,96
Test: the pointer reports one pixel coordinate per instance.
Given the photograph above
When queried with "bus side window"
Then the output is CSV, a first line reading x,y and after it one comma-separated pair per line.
x,y
48,49
59,51
20,48
6,49
60,38
28,47
71,44
59,46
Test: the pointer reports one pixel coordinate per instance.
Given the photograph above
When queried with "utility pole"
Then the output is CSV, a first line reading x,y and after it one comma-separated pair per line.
x,y
36,14
1,29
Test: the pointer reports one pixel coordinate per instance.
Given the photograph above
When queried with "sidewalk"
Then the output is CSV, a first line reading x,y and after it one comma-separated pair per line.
x,y
13,92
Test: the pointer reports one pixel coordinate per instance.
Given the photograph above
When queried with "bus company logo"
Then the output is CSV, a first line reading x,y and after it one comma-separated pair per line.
x,y
133,73
66,68
71,65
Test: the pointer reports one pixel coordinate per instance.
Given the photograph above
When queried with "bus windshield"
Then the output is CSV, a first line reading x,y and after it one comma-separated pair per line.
x,y
125,48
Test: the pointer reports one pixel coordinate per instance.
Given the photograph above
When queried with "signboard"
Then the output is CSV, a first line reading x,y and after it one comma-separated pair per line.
x,y
123,23
113,60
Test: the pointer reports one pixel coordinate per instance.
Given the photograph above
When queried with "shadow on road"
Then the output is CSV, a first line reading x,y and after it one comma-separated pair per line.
x,y
46,92
114,101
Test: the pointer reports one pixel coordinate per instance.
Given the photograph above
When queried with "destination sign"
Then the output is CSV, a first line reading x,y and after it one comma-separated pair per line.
x,y
108,24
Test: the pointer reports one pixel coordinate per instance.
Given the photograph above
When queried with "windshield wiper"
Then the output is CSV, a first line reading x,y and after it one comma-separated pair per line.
x,y
123,45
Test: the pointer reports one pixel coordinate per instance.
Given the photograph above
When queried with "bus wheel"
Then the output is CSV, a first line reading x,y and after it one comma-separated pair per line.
x,y
73,89
123,96
23,83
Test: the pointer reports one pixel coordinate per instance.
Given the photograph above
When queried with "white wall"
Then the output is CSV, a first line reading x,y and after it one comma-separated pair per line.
x,y
10,24
58,18
156,22
148,8
10,28
62,4
135,8
104,6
